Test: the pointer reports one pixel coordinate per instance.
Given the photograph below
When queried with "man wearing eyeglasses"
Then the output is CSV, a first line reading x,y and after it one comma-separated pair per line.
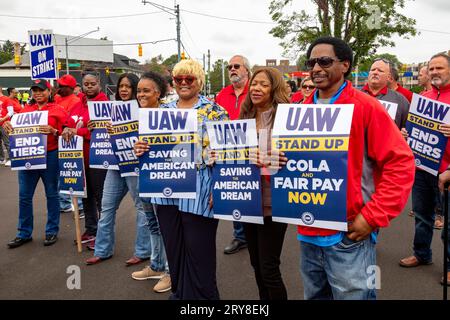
x,y
335,264
377,87
231,98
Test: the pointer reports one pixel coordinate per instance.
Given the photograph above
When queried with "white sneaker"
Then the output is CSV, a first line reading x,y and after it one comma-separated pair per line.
x,y
147,273
164,284
8,163
2,162
70,209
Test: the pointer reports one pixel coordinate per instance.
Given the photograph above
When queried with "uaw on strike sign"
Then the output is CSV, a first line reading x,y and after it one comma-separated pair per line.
x,y
42,54
311,190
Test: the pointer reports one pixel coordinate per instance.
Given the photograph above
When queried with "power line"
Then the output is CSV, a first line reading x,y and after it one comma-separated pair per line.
x,y
225,18
80,18
106,45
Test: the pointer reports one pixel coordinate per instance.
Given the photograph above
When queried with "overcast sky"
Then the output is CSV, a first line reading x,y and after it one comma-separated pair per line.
x,y
200,33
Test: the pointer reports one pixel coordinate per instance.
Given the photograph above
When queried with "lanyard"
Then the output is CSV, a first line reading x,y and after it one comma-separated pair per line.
x,y
336,95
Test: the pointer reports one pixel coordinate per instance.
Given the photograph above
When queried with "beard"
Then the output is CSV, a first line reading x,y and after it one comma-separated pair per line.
x,y
235,79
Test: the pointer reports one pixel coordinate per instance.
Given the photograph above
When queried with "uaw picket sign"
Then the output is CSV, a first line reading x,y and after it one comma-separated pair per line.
x,y
125,123
236,182
101,154
311,190
390,107
28,147
427,143
42,54
71,167
168,170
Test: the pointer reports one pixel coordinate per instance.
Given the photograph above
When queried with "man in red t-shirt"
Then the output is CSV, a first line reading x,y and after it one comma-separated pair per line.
x,y
66,97
231,98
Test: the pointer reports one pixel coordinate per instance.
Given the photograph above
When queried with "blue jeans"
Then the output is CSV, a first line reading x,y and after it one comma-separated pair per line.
x,y
65,202
28,180
442,235
115,189
424,194
339,272
158,258
238,231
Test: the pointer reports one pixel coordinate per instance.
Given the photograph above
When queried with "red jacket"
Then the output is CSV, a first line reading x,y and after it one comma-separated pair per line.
x,y
297,97
380,164
80,115
405,92
58,118
67,102
443,95
5,102
228,100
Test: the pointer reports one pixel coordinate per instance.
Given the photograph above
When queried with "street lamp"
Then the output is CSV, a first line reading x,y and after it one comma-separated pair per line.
x,y
73,40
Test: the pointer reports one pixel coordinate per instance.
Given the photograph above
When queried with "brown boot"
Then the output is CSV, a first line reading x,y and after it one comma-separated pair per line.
x,y
411,262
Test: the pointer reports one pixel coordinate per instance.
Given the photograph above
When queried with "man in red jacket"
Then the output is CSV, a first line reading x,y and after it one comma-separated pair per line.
x,y
231,98
425,185
394,85
334,264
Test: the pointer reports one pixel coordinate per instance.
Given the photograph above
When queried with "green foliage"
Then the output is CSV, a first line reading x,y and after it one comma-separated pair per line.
x,y
354,21
6,51
216,76
366,63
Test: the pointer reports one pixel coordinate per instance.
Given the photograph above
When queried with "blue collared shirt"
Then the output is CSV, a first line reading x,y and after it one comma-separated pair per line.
x,y
206,111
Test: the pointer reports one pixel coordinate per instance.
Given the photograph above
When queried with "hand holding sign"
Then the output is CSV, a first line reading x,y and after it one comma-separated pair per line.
x,y
141,147
444,177
275,160
91,125
212,157
47,129
109,128
68,133
445,130
359,230
404,133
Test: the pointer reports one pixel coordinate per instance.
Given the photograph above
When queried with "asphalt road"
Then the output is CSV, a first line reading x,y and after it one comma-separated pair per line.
x,y
37,272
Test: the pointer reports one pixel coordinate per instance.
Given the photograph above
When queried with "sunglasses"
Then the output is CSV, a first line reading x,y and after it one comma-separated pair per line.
x,y
323,62
233,66
308,87
188,79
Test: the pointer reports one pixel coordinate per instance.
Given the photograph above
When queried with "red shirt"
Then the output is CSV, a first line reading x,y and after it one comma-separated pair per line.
x,y
67,102
405,92
228,100
57,118
5,102
297,97
383,91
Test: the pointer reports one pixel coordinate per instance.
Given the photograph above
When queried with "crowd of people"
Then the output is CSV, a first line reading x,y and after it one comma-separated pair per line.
x,y
178,236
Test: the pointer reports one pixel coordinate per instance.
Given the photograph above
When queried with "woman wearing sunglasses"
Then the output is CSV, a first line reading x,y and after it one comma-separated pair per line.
x,y
307,88
187,225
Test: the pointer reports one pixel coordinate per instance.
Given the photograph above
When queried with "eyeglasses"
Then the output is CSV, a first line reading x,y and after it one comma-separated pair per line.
x,y
235,66
324,62
188,79
308,87
382,59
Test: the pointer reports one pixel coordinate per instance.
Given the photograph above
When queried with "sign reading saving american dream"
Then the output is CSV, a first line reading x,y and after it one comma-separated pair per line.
x,y
101,154
427,143
236,182
28,147
125,122
168,169
71,167
390,107
311,190
42,54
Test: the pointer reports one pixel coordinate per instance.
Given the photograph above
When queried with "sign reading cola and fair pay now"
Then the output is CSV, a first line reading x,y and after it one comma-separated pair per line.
x,y
311,190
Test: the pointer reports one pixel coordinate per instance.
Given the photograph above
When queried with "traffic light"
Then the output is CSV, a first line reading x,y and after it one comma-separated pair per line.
x,y
183,56
16,59
59,65
140,50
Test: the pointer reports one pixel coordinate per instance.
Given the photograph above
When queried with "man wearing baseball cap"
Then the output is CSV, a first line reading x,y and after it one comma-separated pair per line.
x,y
65,97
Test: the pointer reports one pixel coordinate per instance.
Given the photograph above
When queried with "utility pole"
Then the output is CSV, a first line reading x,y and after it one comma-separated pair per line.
x,y
177,13
223,74
209,73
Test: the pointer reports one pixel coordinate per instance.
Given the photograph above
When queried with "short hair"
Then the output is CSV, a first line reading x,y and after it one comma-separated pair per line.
x,y
159,80
442,55
78,85
305,79
246,64
190,67
133,81
91,72
341,49
9,90
394,71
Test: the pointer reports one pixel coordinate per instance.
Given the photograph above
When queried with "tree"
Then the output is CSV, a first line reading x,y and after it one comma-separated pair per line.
x,y
155,65
364,25
216,76
171,61
366,63
6,51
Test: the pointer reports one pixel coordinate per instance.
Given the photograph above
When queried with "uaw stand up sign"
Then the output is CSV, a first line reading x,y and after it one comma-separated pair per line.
x,y
28,147
311,190
71,167
236,182
168,169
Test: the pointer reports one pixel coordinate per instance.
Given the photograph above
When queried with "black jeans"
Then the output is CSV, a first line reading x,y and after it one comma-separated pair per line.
x,y
190,242
92,205
265,243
